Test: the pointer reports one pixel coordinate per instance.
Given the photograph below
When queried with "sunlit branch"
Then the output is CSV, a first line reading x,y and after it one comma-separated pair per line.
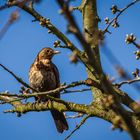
x,y
73,91
75,116
137,79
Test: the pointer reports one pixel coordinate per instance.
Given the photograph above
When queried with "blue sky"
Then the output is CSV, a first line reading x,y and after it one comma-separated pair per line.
x,y
19,47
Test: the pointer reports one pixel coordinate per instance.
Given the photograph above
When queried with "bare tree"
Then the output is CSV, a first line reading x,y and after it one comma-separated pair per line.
x,y
108,98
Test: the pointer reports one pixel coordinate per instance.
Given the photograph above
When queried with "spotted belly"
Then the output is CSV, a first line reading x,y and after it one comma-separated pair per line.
x,y
43,80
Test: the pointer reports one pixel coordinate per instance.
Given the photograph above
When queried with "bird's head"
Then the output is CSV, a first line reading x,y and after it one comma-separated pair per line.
x,y
47,53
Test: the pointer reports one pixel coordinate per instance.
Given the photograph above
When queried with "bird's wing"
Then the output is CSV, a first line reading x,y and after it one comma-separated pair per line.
x,y
56,72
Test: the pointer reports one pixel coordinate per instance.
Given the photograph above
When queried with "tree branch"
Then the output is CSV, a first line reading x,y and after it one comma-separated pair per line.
x,y
137,79
14,16
17,78
91,28
78,126
119,14
92,110
48,93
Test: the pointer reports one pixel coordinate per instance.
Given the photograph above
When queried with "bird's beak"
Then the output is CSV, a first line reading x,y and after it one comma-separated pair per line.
x,y
56,52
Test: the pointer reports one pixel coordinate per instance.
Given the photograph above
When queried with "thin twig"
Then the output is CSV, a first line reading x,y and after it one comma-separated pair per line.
x,y
119,14
136,44
128,82
78,126
123,73
13,17
51,92
17,78
9,4
81,7
78,90
75,116
31,4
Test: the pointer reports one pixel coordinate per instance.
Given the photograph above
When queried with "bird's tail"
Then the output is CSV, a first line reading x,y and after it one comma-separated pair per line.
x,y
60,121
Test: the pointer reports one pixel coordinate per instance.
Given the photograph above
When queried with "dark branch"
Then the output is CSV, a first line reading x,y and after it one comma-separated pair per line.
x,y
136,44
51,92
17,78
78,126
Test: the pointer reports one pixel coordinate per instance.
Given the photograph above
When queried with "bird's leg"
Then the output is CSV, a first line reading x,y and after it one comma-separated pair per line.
x,y
38,99
24,91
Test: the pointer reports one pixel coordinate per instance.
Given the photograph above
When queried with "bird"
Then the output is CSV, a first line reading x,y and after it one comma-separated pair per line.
x,y
44,76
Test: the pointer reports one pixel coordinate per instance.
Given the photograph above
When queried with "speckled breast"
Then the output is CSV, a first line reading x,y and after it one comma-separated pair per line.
x,y
42,80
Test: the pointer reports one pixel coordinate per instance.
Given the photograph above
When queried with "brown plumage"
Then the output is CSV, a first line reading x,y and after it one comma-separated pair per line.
x,y
44,76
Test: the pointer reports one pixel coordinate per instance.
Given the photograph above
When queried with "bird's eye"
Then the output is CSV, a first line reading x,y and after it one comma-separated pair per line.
x,y
48,51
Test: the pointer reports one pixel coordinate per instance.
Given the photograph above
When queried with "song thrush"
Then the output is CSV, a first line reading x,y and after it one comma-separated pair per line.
x,y
44,76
